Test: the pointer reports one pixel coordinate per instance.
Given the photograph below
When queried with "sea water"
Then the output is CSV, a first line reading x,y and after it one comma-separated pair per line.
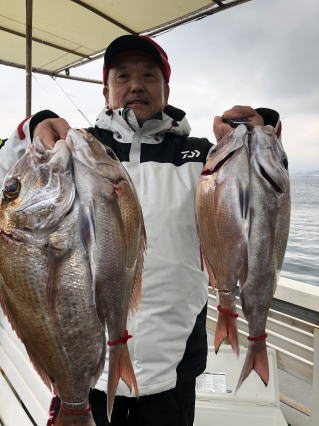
x,y
301,261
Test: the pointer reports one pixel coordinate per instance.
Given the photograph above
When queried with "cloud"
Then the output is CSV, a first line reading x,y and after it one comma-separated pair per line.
x,y
260,53
300,136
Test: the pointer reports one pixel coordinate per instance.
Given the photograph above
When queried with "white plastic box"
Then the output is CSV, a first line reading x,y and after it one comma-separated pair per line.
x,y
253,405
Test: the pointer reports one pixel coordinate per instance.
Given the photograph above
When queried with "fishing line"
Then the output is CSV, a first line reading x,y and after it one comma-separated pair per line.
x,y
66,94
72,102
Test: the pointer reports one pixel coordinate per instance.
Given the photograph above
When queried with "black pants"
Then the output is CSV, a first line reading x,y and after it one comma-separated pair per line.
x,y
174,407
170,408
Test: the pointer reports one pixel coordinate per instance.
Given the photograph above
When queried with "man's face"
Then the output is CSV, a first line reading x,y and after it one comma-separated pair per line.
x,y
136,81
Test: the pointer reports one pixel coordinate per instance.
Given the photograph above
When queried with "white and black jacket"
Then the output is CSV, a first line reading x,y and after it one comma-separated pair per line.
x,y
164,163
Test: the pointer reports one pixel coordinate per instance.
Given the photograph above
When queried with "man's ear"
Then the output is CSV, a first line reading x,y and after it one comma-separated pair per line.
x,y
166,92
106,94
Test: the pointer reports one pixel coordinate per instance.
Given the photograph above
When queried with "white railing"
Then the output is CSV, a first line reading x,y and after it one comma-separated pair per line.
x,y
19,382
295,340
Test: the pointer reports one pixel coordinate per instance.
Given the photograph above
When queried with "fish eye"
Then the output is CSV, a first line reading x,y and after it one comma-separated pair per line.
x,y
12,190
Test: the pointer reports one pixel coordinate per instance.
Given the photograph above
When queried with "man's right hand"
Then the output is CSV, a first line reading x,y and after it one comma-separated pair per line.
x,y
51,130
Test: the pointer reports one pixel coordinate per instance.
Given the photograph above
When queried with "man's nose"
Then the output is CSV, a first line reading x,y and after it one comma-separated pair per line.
x,y
137,85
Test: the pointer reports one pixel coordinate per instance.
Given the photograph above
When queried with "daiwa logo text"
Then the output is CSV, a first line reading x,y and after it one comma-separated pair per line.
x,y
190,154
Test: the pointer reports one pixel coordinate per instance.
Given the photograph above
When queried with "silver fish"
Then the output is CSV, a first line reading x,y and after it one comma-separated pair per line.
x,y
243,213
113,234
45,277
221,212
269,219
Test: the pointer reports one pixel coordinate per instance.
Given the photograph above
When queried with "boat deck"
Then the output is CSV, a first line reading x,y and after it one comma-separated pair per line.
x,y
296,390
295,396
293,336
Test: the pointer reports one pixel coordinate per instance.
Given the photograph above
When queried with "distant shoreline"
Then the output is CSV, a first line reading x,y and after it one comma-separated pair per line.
x,y
312,173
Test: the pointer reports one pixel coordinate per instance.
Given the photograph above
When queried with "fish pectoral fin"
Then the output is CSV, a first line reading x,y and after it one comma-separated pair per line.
x,y
53,280
87,229
57,251
58,246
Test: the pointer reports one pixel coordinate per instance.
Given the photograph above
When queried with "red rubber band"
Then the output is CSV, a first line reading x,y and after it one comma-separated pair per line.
x,y
227,312
255,339
76,412
122,339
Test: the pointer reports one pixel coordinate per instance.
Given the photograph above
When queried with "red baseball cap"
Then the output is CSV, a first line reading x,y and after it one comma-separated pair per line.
x,y
136,43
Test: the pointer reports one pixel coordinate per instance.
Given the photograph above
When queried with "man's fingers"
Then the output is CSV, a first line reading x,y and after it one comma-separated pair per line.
x,y
240,111
51,130
220,128
269,129
237,111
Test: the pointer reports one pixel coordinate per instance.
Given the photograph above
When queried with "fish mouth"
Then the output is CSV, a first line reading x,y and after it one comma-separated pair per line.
x,y
9,236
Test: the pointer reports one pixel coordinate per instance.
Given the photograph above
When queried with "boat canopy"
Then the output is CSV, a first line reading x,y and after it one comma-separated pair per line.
x,y
50,37
68,33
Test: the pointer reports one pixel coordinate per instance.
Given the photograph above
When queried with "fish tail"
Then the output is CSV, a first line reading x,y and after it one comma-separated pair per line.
x,y
256,359
120,366
65,418
226,328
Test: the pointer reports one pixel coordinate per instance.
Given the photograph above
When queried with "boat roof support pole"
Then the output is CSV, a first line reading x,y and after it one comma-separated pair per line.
x,y
28,62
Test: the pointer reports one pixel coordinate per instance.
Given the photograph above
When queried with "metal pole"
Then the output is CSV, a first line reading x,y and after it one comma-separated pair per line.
x,y
28,62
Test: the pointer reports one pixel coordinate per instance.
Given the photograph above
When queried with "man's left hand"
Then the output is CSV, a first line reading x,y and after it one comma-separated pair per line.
x,y
238,111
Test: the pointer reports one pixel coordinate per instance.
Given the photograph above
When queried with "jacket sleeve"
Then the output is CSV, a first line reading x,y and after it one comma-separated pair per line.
x,y
16,145
271,117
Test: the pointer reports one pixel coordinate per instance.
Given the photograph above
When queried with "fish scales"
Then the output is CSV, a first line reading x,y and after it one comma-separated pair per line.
x,y
221,221
115,244
45,278
50,279
243,230
268,234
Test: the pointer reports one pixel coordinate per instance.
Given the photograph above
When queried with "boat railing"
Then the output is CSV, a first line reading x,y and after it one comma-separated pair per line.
x,y
292,330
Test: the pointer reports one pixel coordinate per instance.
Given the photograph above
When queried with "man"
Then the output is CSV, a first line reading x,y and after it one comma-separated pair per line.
x,y
151,138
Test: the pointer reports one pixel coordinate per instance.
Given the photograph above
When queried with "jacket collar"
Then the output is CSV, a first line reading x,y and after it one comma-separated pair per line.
x,y
121,120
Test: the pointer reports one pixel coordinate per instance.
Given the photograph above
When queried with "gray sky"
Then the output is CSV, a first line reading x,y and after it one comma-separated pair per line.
x,y
261,53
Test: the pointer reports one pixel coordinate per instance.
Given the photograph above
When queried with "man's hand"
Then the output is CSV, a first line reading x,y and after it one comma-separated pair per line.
x,y
51,130
238,111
